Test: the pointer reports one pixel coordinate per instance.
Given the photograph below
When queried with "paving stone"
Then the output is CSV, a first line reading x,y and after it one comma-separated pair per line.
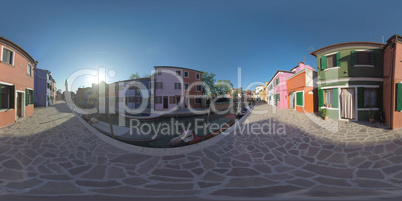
x,y
374,174
79,170
332,182
211,176
24,184
173,173
249,182
171,186
207,185
13,175
56,188
102,184
132,159
373,184
12,164
243,172
256,192
55,177
328,171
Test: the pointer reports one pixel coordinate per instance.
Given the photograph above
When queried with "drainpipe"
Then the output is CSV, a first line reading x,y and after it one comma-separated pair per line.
x,y
392,84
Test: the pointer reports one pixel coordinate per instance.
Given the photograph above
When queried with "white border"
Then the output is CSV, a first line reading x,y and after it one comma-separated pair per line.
x,y
22,104
184,74
198,76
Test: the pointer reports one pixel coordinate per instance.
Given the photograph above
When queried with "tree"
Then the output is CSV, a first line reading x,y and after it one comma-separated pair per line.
x,y
209,80
134,76
223,87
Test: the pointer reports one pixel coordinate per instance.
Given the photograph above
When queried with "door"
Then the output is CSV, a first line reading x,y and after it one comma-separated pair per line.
x,y
292,100
165,102
348,103
19,104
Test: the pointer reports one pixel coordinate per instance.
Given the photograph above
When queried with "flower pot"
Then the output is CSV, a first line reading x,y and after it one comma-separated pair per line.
x,y
371,120
326,118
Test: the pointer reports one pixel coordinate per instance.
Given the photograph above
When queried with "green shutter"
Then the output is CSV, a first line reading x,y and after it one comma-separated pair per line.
x,y
26,97
299,98
32,97
323,62
399,97
335,98
353,54
372,57
360,97
338,59
320,98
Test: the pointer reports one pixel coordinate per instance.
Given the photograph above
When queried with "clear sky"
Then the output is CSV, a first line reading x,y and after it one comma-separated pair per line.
x,y
212,35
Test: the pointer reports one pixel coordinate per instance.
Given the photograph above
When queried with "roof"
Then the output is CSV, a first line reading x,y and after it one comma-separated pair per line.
x,y
18,48
176,68
280,71
340,45
143,78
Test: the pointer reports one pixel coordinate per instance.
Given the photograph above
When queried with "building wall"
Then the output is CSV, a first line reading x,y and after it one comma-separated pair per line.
x,y
281,89
303,81
17,76
40,93
392,76
193,91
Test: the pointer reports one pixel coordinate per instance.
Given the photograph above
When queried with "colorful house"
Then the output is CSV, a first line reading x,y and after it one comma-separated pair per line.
x,y
16,82
350,79
172,83
279,97
42,88
301,89
392,88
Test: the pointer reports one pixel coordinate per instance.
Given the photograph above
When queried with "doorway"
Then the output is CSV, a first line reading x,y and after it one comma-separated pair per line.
x,y
348,103
292,100
20,104
165,102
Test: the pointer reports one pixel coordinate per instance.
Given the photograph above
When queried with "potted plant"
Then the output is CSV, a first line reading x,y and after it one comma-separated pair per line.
x,y
371,116
324,113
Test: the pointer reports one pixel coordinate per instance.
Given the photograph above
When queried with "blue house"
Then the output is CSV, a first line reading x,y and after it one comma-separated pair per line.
x,y
42,84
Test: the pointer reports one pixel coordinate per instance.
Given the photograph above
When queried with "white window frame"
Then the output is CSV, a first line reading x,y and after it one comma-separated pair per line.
x,y
29,66
196,88
2,50
184,86
188,74
199,76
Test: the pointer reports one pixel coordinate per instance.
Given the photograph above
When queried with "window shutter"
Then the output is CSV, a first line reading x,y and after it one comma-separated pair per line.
x,y
372,57
299,96
360,97
399,97
353,54
338,59
320,98
323,62
32,96
12,96
26,97
335,98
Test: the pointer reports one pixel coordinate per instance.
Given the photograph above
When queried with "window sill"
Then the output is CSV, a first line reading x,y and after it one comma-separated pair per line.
x,y
369,66
367,109
329,108
7,64
6,110
336,67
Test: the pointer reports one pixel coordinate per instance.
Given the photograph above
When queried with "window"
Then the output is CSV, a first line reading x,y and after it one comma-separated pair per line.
x,y
331,61
399,97
29,95
198,87
7,97
277,81
159,99
328,97
177,85
29,70
159,85
159,72
363,58
197,76
186,74
48,85
197,100
8,56
172,99
370,97
178,73
186,86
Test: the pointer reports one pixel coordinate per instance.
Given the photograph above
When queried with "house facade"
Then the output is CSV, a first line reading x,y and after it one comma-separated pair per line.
x,y
173,83
16,82
301,87
350,79
42,88
279,97
392,87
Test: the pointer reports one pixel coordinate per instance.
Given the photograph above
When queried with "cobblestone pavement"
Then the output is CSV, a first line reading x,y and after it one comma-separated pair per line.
x,y
52,153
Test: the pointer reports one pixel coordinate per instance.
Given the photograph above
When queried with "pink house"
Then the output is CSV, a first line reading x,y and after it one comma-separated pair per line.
x,y
279,91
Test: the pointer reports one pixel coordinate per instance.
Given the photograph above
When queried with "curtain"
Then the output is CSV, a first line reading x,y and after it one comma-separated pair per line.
x,y
292,100
347,110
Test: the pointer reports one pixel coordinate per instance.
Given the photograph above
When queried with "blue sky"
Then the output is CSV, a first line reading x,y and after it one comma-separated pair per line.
x,y
212,35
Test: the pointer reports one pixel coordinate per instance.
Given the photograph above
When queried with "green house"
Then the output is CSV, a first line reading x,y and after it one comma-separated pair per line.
x,y
350,80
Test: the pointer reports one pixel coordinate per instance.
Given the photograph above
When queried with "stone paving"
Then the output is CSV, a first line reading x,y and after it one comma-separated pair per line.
x,y
52,153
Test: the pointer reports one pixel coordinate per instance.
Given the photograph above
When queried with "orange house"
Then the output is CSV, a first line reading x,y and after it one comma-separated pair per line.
x,y
301,89
392,88
16,82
